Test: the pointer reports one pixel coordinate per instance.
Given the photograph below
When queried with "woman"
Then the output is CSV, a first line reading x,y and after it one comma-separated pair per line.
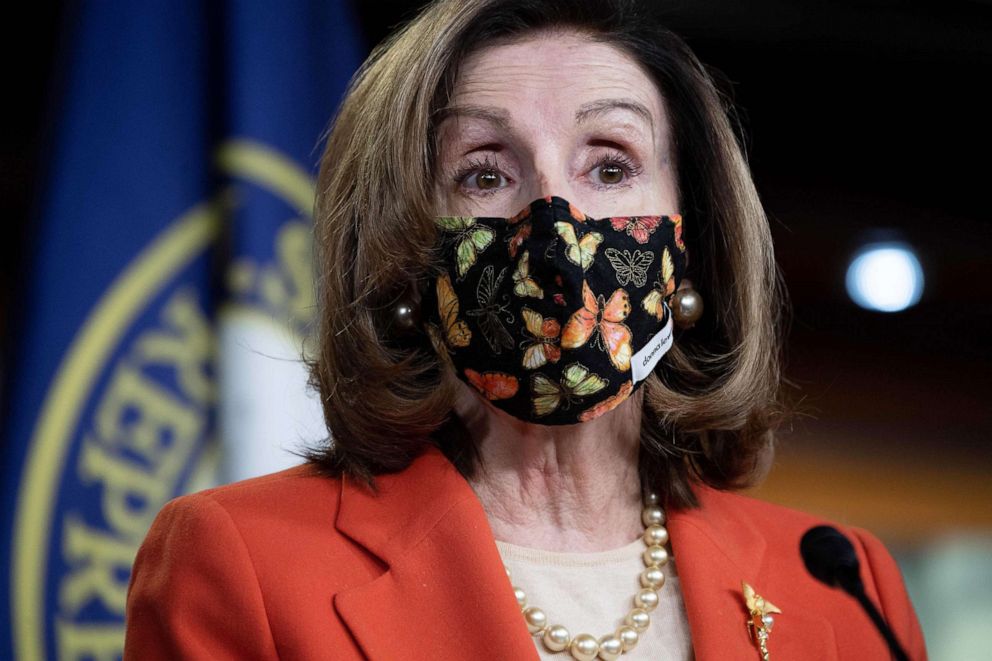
x,y
511,202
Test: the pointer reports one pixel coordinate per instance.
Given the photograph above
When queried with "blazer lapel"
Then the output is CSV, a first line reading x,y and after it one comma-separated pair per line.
x,y
444,588
715,550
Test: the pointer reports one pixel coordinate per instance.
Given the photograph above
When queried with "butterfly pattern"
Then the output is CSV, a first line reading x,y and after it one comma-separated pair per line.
x,y
493,385
523,284
639,227
453,332
576,383
543,342
470,238
630,267
491,311
602,321
582,251
547,328
516,239
607,404
677,219
654,302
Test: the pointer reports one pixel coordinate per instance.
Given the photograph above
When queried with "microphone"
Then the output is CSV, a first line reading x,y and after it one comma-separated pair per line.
x,y
830,558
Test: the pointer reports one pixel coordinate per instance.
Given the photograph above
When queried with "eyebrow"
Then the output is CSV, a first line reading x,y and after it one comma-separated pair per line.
x,y
602,106
500,117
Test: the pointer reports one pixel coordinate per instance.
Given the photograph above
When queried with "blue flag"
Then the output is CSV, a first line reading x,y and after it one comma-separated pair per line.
x,y
173,223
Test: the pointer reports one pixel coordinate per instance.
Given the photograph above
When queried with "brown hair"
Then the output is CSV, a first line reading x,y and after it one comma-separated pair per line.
x,y
712,404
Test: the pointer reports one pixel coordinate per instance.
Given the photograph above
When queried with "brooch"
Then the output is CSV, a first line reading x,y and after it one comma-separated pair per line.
x,y
760,624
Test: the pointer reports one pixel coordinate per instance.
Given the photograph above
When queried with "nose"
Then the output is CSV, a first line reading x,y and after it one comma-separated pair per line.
x,y
552,183
550,178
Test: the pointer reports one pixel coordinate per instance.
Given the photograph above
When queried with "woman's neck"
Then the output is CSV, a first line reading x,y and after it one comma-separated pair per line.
x,y
559,488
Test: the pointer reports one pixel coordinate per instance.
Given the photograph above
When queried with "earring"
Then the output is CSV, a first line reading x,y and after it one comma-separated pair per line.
x,y
405,317
687,306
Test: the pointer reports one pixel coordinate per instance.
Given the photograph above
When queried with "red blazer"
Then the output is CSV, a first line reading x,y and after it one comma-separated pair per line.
x,y
292,565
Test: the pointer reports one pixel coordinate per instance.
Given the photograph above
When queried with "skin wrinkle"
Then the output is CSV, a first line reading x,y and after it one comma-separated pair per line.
x,y
605,73
571,487
500,117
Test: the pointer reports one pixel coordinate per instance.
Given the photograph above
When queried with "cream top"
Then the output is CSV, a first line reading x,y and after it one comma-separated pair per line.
x,y
593,592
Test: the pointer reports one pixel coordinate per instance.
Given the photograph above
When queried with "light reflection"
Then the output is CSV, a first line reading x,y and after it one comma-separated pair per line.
x,y
886,277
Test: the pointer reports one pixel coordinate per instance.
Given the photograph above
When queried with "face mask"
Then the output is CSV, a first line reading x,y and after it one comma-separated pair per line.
x,y
553,316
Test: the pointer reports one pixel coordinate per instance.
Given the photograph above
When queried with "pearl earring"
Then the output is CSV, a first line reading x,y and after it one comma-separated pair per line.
x,y
406,317
687,306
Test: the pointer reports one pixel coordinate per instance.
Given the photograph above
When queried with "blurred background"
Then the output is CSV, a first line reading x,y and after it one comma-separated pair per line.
x,y
157,172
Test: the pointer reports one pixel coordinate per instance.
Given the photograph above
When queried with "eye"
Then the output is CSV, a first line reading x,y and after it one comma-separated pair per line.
x,y
614,168
611,173
480,177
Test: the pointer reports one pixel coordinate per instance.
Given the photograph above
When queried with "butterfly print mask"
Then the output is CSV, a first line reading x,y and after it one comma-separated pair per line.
x,y
553,316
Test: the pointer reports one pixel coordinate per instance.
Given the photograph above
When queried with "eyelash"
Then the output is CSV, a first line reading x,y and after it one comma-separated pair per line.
x,y
630,168
473,166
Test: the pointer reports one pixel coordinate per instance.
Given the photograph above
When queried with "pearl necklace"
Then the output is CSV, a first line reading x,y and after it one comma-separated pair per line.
x,y
586,647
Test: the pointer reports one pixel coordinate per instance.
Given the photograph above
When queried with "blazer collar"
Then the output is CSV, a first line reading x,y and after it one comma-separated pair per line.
x,y
445,588
716,547
445,585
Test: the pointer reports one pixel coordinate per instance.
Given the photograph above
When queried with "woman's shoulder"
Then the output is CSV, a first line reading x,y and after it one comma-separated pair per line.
x,y
282,519
266,552
728,507
296,503
298,489
280,526
782,527
728,517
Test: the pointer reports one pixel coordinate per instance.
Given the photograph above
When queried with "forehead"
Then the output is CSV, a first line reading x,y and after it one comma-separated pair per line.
x,y
551,79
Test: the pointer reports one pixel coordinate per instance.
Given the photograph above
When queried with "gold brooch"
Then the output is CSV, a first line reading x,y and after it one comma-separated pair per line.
x,y
760,624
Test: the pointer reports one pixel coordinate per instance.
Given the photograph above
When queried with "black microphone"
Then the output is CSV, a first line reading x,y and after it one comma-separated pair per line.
x,y
830,557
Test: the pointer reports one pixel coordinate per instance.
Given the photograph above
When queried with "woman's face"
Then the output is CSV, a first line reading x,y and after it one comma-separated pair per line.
x,y
555,114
